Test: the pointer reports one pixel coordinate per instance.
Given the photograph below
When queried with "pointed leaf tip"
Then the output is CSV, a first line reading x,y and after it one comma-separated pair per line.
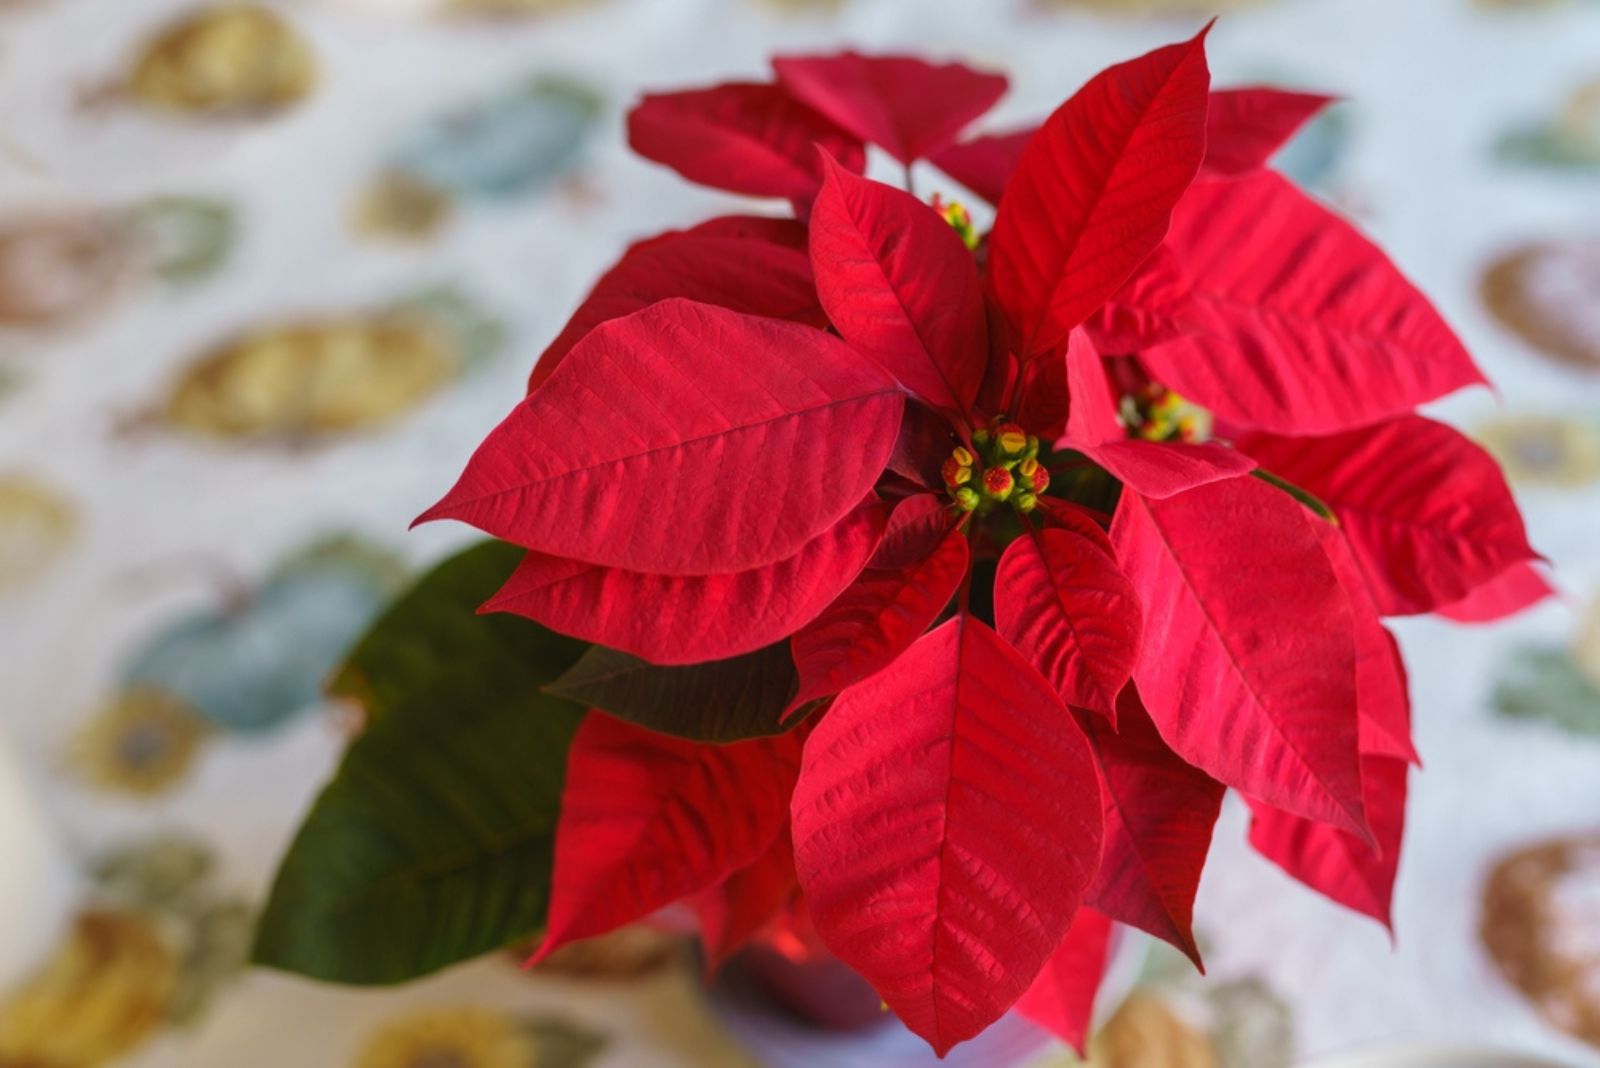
x,y
661,422
901,288
1095,189
1225,617
1003,820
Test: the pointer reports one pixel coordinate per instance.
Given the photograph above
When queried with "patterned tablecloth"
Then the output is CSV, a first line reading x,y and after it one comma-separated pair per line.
x,y
239,353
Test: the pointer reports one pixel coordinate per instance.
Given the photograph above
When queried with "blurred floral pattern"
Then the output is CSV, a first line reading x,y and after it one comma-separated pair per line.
x,y
37,526
232,59
153,943
1545,293
1541,909
477,1038
268,268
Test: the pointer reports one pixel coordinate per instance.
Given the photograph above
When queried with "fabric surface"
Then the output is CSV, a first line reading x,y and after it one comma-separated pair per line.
x,y
252,323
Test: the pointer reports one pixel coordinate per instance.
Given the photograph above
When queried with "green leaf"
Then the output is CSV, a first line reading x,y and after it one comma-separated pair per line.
x,y
432,638
1310,500
433,843
722,701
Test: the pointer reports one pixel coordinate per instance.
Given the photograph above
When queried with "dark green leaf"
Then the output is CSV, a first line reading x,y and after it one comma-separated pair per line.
x,y
723,701
432,638
1310,500
433,843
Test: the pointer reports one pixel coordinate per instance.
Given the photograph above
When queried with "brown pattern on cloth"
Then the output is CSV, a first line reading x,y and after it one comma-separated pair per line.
x,y
1548,293
1541,926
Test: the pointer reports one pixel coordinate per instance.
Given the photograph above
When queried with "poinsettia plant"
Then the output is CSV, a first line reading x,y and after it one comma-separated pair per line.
x,y
934,583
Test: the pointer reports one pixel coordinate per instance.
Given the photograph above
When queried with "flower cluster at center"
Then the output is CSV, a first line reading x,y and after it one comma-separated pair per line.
x,y
1002,466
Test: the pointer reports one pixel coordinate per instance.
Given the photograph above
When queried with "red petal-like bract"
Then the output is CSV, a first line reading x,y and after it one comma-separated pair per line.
x,y
1383,696
1160,813
1154,469
789,233
1065,514
900,287
1313,330
741,274
917,527
1335,863
1162,469
744,137
1061,1000
1517,589
907,106
1156,305
1094,418
985,164
1236,679
876,619
735,910
690,619
1061,600
1046,399
1247,126
647,819
1427,512
1095,189
946,823
684,440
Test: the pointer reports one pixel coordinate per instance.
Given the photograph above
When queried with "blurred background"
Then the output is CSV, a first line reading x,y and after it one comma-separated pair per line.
x,y
248,331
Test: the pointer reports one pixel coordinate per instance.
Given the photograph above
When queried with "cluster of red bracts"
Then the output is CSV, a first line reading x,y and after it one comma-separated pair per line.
x,y
814,430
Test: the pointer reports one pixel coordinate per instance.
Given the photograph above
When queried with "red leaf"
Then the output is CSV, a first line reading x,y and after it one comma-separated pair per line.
x,y
946,824
1247,126
1248,661
926,439
1154,469
985,164
1162,469
1427,512
1338,865
690,619
1160,814
877,619
1313,329
1518,588
1095,189
789,233
1061,1000
907,106
900,287
916,528
1156,305
743,137
684,439
1383,696
1094,418
647,819
735,910
1062,602
1076,518
741,274
1044,404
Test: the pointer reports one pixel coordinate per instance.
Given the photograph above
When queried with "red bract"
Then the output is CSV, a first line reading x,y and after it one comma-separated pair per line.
x,y
1063,529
